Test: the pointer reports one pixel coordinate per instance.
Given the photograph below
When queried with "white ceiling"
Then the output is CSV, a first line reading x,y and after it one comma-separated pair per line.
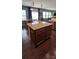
x,y
46,4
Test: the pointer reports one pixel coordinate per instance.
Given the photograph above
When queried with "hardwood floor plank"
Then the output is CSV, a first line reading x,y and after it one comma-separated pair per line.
x,y
45,51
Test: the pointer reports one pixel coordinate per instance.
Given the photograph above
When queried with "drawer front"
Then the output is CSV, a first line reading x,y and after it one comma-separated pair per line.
x,y
44,30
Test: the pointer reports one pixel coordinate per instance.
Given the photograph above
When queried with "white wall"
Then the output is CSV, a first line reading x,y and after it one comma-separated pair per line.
x,y
27,2
49,4
46,4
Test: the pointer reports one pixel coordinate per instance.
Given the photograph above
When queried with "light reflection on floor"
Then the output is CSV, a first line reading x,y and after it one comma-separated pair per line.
x,y
25,37
24,34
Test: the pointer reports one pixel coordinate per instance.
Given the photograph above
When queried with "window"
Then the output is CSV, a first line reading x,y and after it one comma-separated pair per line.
x,y
44,15
23,14
47,14
34,14
50,15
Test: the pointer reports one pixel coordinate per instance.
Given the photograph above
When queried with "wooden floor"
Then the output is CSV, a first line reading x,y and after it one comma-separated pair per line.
x,y
44,51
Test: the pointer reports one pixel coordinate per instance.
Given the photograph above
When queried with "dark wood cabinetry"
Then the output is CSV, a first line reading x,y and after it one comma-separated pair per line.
x,y
39,34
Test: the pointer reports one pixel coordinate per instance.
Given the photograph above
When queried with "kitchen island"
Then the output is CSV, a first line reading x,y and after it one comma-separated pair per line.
x,y
39,32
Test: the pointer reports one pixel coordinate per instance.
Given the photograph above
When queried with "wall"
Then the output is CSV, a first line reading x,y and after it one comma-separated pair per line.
x,y
46,4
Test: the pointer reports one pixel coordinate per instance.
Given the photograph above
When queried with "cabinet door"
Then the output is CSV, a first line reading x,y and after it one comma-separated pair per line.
x,y
40,34
32,35
43,33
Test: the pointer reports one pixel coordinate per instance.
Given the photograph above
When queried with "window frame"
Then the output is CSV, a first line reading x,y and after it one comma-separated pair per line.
x,y
24,15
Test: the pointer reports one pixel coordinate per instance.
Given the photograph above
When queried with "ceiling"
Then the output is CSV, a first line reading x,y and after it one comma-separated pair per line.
x,y
46,4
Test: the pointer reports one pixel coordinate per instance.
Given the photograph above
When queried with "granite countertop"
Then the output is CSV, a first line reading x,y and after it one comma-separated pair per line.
x,y
37,25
